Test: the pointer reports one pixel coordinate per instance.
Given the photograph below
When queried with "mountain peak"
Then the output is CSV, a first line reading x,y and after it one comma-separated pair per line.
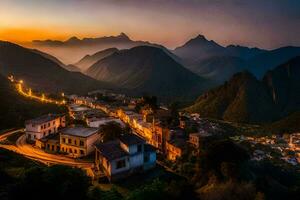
x,y
123,35
200,37
73,39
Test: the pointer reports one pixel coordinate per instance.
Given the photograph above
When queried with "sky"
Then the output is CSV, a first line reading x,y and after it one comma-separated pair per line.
x,y
257,23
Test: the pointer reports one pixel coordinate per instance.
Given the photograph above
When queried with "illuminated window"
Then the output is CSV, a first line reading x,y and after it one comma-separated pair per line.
x,y
81,143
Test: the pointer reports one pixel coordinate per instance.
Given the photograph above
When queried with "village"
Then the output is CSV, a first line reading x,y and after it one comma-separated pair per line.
x,y
152,131
157,134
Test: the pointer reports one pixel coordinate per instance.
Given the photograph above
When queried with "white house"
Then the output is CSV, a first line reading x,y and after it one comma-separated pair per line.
x,y
44,125
123,157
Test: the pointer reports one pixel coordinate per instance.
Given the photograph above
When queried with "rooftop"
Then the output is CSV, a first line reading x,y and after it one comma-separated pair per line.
x,y
42,119
79,131
131,139
50,137
111,150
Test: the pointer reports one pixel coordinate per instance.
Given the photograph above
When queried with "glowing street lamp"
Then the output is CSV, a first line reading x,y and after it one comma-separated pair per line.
x,y
21,81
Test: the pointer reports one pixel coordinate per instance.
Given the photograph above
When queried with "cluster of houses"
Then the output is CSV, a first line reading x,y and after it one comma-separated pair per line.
x,y
117,159
286,145
151,125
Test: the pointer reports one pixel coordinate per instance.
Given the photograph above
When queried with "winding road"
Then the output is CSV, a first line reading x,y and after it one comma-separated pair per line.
x,y
27,150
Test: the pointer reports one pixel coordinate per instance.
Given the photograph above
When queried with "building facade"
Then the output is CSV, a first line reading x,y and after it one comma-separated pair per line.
x,y
43,126
125,156
78,141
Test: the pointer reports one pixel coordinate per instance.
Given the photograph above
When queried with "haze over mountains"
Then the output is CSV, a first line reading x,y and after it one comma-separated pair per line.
x,y
149,70
88,60
74,49
142,67
244,98
211,60
40,72
204,57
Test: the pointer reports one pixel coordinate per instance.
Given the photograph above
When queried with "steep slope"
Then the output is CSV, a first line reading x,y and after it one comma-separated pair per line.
x,y
71,68
284,85
41,73
146,69
242,99
219,68
261,63
89,60
245,99
15,109
289,124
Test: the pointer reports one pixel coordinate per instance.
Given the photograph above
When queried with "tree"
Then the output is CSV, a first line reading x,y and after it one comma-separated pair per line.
x,y
56,182
111,131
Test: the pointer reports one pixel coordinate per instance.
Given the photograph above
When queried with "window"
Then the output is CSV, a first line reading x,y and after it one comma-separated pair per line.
x,y
75,150
49,124
139,148
146,158
120,164
64,140
70,150
53,122
69,141
81,152
81,143
75,142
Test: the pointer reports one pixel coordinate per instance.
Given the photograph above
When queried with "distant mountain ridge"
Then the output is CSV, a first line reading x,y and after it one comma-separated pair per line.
x,y
245,99
122,37
74,49
199,55
146,69
88,60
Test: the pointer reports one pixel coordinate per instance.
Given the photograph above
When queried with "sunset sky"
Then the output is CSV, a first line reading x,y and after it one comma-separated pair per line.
x,y
265,24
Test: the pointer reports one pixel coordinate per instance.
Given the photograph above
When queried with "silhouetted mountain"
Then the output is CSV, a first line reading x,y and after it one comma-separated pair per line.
x,y
74,49
245,99
146,69
243,52
284,85
41,73
209,59
219,68
50,57
261,63
199,48
15,109
71,68
89,60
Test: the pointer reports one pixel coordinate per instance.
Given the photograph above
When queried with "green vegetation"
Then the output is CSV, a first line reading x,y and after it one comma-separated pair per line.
x,y
248,100
289,124
224,171
111,131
